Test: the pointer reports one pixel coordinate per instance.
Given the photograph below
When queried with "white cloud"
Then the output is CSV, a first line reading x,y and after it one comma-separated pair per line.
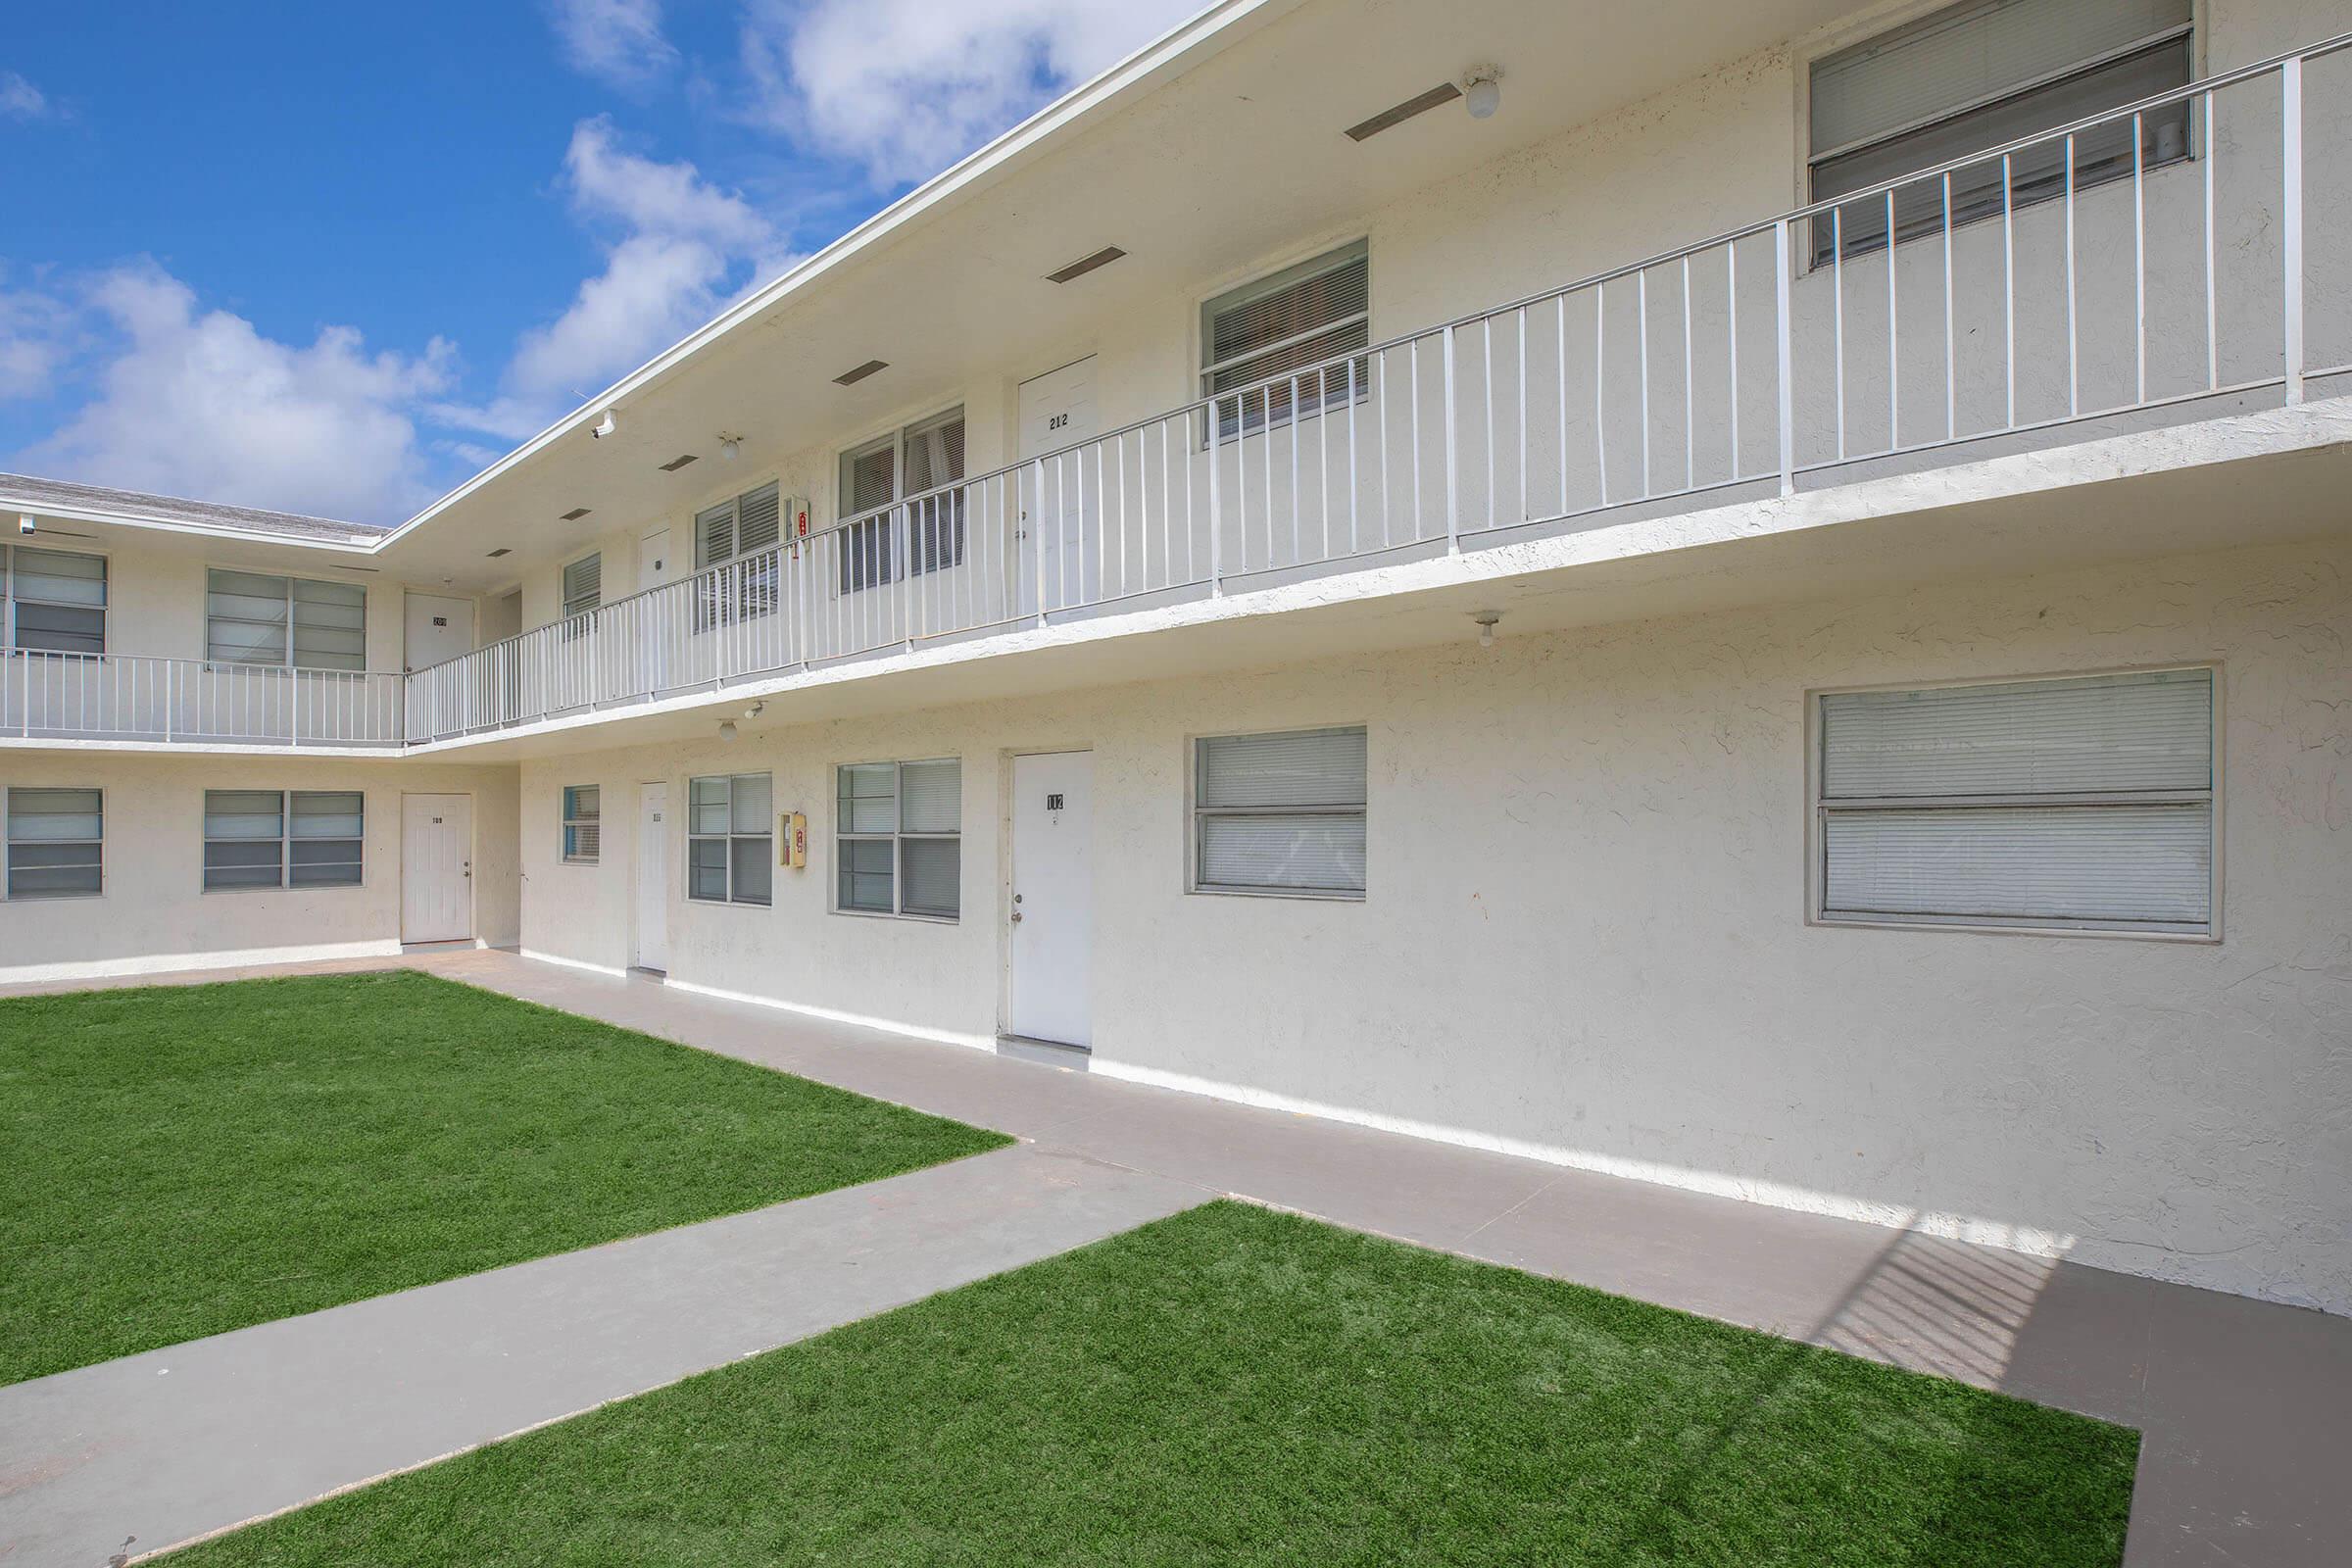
x,y
905,88
617,41
21,99
36,331
199,402
682,248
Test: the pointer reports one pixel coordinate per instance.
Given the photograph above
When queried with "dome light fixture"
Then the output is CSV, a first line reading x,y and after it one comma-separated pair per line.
x,y
726,731
1484,620
1482,91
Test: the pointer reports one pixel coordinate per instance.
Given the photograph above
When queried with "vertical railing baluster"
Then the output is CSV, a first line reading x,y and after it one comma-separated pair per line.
x,y
1837,317
1453,511
1952,345
2009,291
1731,340
1690,387
1783,349
1641,347
2073,393
2213,321
2139,257
2290,235
1895,376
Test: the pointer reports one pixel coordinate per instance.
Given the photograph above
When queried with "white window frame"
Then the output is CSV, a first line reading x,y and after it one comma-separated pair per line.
x,y
1816,820
896,838
227,661
730,838
9,842
1196,813
874,564
11,598
1819,249
1274,280
574,819
286,839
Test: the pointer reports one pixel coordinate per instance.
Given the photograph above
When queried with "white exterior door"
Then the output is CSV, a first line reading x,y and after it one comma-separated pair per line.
x,y
1057,411
436,868
652,559
1053,898
652,945
435,629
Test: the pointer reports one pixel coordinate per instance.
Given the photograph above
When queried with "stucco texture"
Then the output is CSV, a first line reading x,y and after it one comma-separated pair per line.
x,y
1585,932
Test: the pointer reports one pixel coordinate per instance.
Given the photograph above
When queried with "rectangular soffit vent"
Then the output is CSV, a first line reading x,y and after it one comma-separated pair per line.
x,y
502,550
678,463
576,513
1086,264
853,378
1445,92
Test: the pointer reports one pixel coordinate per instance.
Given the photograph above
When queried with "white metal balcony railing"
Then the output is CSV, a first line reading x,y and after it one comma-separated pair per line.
x,y
57,696
2161,260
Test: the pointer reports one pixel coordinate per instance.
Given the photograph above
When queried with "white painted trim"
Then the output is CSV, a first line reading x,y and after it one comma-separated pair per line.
x,y
560,960
943,1037
229,959
2029,1240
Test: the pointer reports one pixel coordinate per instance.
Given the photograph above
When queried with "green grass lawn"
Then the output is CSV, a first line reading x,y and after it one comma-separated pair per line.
x,y
182,1161
1238,1386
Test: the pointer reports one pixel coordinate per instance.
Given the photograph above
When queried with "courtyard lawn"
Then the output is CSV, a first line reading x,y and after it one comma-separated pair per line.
x,y
182,1161
1238,1386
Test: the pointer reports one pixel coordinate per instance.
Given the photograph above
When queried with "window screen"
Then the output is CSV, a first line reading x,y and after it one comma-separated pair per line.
x,y
253,618
1300,317
56,841
583,824
730,838
55,599
2080,802
1978,76
1280,814
898,848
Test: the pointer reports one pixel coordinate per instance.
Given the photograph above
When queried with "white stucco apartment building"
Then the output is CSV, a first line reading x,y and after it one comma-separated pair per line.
x,y
1423,563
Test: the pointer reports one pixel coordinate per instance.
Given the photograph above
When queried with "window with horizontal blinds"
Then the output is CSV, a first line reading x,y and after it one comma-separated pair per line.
x,y
54,843
259,619
743,529
55,599
1280,813
583,824
730,838
1981,74
1294,321
2073,802
280,838
897,845
583,585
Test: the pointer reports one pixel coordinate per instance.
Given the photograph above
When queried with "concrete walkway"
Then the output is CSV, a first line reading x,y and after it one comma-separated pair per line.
x,y
2246,1408
148,1451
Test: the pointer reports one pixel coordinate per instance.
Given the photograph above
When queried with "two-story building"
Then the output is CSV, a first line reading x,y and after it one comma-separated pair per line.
x,y
1749,595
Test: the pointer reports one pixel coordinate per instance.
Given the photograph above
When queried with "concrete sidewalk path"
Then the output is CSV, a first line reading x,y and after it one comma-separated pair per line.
x,y
152,1450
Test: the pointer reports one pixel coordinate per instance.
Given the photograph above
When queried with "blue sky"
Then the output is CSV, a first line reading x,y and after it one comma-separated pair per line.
x,y
331,259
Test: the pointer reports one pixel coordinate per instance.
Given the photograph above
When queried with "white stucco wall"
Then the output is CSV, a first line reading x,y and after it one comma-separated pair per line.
x,y
1583,937
154,915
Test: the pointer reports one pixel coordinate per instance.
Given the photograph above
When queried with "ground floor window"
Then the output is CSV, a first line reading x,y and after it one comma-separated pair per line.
x,y
2075,804
284,839
56,840
1280,814
899,847
730,838
583,824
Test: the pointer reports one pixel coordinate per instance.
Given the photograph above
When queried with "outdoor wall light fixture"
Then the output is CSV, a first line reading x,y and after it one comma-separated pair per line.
x,y
1482,92
1484,620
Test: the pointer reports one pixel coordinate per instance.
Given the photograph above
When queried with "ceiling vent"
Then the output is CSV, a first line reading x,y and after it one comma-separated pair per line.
x,y
1086,264
853,378
576,514
502,550
678,463
1445,92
